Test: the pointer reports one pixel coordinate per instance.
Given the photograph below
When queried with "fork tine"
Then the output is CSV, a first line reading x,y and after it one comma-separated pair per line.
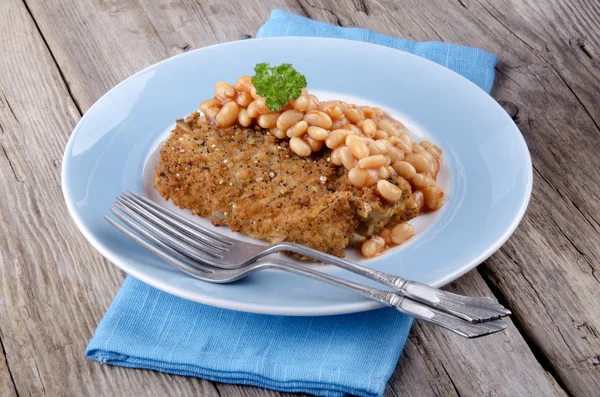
x,y
165,227
171,223
156,241
186,249
193,271
178,220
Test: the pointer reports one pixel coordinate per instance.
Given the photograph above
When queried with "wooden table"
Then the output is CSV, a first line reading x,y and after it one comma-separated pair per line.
x,y
58,57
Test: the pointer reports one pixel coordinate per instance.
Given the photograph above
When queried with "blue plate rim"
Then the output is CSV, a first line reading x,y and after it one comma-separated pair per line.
x,y
295,311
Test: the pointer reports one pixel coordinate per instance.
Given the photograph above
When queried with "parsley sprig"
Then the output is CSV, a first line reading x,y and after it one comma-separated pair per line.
x,y
278,84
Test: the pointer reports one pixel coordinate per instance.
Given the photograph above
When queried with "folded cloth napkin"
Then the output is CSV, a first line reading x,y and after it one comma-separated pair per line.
x,y
325,356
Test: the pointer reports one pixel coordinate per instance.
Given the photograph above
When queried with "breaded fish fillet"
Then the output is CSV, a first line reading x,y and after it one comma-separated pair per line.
x,y
252,182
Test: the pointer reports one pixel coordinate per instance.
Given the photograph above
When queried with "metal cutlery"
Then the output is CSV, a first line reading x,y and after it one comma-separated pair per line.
x,y
180,260
211,248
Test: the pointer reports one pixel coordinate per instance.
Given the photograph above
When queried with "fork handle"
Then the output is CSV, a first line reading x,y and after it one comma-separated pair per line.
x,y
401,303
473,309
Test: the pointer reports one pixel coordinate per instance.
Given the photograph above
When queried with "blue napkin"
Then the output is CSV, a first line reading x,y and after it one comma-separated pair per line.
x,y
325,356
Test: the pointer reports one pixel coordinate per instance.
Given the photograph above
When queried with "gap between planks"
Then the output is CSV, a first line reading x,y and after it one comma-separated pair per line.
x,y
4,360
60,71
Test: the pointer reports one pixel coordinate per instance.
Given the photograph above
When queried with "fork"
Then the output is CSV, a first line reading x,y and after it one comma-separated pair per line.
x,y
215,249
212,274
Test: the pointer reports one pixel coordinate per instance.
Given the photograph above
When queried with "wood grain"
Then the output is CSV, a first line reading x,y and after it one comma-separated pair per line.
x,y
499,365
60,57
548,272
7,386
54,287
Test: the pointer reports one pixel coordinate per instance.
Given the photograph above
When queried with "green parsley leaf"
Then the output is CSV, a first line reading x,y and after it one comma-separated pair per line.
x,y
277,84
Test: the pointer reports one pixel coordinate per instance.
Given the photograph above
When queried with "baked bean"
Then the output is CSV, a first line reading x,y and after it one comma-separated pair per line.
x,y
297,129
374,149
434,197
336,138
211,113
393,140
417,148
315,145
420,162
210,104
435,151
400,127
244,84
224,92
368,127
337,124
405,169
386,235
358,149
278,133
389,191
380,134
435,168
358,177
354,137
426,144
335,157
355,115
387,143
396,155
405,147
347,158
384,172
288,119
201,121
318,119
374,162
261,108
402,232
243,118
333,109
373,177
313,103
387,126
418,198
377,113
353,128
406,139
268,120
367,111
383,145
300,147
253,93
252,112
244,99
301,103
228,114
318,133
372,246
427,155
421,181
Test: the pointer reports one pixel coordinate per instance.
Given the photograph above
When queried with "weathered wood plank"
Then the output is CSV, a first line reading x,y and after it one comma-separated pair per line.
x,y
498,365
53,286
548,271
7,386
